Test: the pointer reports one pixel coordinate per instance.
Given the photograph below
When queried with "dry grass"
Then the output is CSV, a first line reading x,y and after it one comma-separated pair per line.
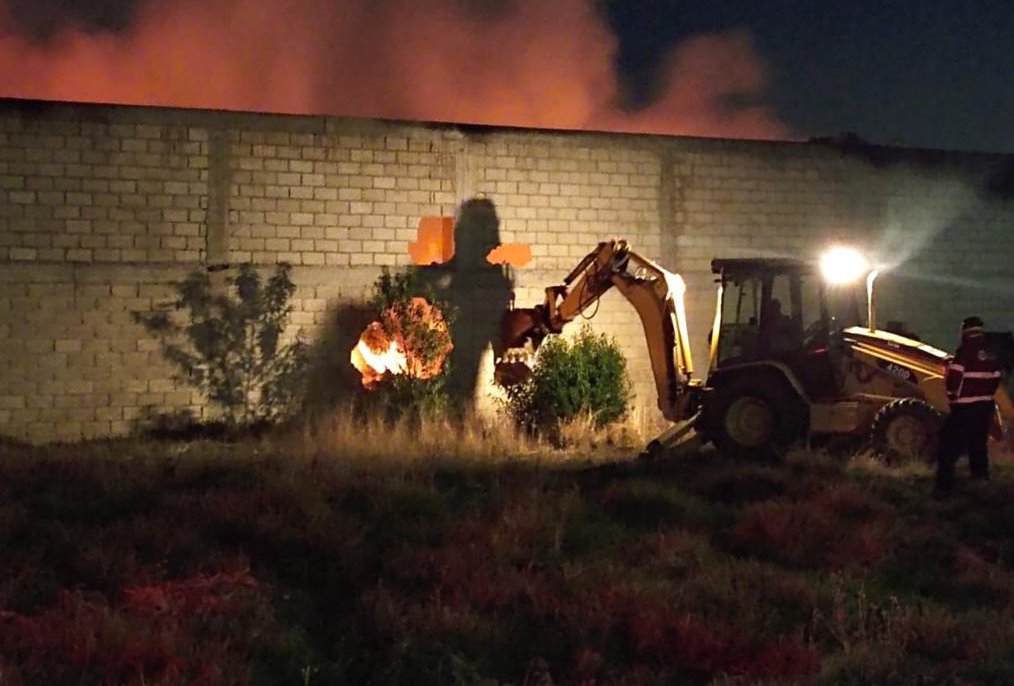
x,y
580,434
345,436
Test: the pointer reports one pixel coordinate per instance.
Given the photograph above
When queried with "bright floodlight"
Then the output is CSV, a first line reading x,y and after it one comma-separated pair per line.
x,y
843,265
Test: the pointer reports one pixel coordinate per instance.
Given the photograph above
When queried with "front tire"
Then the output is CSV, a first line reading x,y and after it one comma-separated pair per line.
x,y
906,430
756,418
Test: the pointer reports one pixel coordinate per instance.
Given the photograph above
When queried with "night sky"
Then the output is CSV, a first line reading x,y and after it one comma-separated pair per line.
x,y
933,73
923,74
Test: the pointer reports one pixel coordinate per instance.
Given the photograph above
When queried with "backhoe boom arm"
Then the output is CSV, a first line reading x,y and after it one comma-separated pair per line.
x,y
655,293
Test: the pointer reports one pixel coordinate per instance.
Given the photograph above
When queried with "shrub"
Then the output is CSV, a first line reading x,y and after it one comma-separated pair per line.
x,y
588,375
230,344
411,315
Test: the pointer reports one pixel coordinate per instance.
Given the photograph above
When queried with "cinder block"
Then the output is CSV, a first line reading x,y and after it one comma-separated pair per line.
x,y
178,398
151,399
22,254
68,346
12,402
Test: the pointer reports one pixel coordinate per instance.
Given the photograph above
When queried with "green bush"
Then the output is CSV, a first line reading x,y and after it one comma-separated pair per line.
x,y
229,344
404,318
569,379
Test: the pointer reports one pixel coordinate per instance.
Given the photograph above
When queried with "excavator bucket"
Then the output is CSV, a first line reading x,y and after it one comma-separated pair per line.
x,y
520,325
521,332
511,373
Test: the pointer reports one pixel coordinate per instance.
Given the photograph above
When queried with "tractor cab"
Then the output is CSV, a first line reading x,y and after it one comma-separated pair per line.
x,y
780,312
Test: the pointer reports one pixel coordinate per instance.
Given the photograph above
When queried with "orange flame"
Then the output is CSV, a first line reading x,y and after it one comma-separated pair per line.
x,y
376,355
385,348
391,360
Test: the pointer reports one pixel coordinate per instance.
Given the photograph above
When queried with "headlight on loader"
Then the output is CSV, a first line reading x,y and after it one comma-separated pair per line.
x,y
841,265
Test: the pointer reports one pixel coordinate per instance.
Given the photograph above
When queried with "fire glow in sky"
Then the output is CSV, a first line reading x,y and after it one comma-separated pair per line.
x,y
528,63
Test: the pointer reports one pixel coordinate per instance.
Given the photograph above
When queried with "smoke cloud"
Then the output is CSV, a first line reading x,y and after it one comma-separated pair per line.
x,y
41,19
526,63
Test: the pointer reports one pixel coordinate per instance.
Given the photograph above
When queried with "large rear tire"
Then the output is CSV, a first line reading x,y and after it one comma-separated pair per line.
x,y
756,417
906,430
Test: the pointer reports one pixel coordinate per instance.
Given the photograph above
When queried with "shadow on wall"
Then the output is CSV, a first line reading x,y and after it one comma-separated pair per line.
x,y
476,291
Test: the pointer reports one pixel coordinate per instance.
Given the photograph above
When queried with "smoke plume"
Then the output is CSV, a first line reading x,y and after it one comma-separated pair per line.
x,y
527,63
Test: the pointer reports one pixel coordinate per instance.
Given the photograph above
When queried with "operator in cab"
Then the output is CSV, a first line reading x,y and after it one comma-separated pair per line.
x,y
780,331
973,376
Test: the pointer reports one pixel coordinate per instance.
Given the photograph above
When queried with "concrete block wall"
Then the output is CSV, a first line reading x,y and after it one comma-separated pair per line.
x,y
564,194
334,193
102,208
92,190
72,363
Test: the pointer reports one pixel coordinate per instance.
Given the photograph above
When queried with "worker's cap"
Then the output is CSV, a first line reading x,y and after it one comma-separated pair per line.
x,y
971,323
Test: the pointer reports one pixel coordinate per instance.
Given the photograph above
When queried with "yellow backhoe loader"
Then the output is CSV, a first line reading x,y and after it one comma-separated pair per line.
x,y
783,367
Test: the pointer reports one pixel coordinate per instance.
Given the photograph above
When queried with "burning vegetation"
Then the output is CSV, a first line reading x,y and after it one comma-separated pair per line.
x,y
411,338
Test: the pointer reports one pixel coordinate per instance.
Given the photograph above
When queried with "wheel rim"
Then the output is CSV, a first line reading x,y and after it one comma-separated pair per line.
x,y
750,422
908,437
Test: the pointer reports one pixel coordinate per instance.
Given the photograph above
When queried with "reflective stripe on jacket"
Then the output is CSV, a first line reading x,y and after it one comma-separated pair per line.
x,y
973,375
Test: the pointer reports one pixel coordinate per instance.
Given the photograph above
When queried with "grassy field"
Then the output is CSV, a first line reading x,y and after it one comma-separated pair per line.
x,y
356,555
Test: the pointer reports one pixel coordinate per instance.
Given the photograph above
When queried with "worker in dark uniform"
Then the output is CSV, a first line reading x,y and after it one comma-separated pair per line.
x,y
973,375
